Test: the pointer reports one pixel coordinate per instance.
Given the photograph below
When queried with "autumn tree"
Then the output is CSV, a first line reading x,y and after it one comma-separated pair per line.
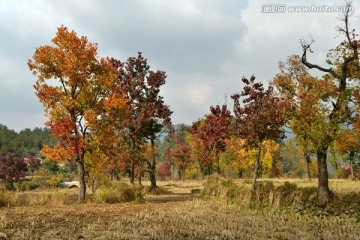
x,y
308,96
347,144
12,169
72,83
343,68
211,133
148,115
261,116
180,156
175,150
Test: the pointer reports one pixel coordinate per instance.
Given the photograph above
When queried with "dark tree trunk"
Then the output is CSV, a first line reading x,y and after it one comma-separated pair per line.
x,y
139,179
323,195
152,179
307,165
256,169
82,189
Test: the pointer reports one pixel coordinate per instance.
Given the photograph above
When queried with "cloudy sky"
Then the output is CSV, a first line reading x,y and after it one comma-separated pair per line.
x,y
204,46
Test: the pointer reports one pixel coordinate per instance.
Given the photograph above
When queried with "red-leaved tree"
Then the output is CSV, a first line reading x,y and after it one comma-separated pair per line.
x,y
261,116
12,168
148,115
211,133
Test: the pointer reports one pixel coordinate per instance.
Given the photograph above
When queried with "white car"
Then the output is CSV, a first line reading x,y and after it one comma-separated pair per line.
x,y
71,184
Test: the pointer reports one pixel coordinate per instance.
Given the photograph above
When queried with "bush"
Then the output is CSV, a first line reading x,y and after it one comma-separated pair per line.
x,y
119,193
56,180
28,185
217,186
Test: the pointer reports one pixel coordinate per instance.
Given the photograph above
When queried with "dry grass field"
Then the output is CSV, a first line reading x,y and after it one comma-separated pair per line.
x,y
175,215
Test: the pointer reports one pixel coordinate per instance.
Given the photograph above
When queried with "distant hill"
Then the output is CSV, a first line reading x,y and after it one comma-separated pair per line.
x,y
27,142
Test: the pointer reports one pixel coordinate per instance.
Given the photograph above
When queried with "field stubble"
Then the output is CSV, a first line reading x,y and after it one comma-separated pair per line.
x,y
170,216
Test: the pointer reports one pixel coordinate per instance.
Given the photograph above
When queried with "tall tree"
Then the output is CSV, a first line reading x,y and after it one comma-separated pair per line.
x,y
343,61
72,82
308,96
261,116
148,114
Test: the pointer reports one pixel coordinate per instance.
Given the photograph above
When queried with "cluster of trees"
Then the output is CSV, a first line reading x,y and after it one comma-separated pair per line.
x,y
322,112
108,117
20,152
25,143
106,113
20,155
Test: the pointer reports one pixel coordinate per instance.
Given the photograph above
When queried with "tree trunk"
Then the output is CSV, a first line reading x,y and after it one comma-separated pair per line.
x,y
181,174
257,163
139,179
351,160
132,172
82,189
152,179
323,195
307,165
152,167
352,169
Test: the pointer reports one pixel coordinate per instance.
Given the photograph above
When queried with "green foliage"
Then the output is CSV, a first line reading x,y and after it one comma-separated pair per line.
x,y
25,143
51,166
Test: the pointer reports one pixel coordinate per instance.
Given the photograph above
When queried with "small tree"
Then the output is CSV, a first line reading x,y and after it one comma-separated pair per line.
x,y
262,116
12,169
211,134
180,156
347,143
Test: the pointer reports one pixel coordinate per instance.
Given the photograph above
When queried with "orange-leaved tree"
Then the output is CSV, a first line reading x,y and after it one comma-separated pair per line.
x,y
72,83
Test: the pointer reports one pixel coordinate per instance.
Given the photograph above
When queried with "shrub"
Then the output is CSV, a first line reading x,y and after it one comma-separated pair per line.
x,y
120,192
55,180
28,185
217,186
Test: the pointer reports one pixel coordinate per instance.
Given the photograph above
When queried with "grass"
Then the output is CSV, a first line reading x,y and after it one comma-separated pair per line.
x,y
197,219
226,211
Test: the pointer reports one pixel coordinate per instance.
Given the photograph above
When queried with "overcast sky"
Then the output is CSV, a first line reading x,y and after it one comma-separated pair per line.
x,y
204,46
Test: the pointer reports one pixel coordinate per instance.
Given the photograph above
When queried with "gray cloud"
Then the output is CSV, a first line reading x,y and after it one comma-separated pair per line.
x,y
205,46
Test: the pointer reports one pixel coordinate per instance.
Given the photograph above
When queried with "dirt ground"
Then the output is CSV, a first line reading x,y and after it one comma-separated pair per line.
x,y
172,216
